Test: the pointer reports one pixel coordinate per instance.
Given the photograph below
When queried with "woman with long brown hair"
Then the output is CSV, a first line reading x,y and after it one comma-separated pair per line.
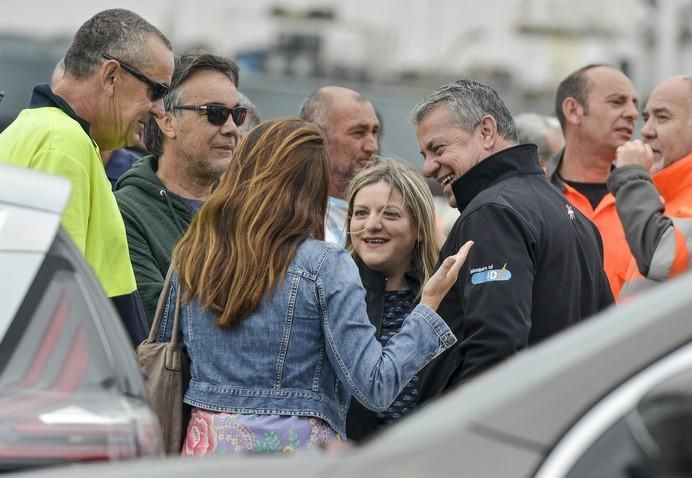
x,y
273,318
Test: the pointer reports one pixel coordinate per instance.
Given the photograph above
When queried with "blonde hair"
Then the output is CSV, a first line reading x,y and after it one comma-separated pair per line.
x,y
273,196
417,199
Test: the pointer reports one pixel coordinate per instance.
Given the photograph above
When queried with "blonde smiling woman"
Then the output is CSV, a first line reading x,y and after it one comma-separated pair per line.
x,y
392,237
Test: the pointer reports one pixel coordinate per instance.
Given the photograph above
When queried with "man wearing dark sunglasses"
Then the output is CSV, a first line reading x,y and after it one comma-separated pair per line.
x,y
115,73
191,145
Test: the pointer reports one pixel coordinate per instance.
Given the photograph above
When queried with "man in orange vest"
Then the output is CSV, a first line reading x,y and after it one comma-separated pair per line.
x,y
597,109
656,211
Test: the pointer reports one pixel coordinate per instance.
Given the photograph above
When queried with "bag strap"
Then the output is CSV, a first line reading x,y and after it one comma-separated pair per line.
x,y
175,335
160,307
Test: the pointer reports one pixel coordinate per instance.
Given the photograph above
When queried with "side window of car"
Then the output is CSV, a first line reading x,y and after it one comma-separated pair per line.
x,y
642,429
618,453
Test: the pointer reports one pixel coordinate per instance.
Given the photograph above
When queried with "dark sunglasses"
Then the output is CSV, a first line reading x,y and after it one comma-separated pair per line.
x,y
218,114
156,90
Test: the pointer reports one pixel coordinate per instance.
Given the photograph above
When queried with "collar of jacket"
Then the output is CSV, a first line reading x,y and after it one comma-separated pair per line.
x,y
513,161
674,179
551,170
143,175
43,97
376,281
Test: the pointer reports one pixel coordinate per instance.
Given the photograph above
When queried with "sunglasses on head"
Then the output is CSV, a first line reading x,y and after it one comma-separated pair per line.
x,y
218,114
156,90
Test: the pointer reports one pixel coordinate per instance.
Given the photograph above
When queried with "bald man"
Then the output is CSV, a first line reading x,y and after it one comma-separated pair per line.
x,y
656,211
351,133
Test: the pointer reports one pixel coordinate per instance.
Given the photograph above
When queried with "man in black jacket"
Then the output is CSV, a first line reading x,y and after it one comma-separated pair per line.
x,y
537,263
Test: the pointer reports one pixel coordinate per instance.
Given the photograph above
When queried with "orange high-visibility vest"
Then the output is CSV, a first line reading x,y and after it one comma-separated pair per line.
x,y
616,252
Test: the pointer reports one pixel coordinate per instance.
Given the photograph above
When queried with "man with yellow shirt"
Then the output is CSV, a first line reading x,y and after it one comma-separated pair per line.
x,y
656,211
116,71
597,109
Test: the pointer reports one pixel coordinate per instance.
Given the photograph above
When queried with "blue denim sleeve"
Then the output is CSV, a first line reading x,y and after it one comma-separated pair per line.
x,y
375,374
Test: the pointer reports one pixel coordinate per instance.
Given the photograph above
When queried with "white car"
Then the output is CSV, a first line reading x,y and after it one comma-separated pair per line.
x,y
70,386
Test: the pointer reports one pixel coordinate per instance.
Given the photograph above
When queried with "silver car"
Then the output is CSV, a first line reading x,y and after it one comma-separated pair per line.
x,y
610,397
70,386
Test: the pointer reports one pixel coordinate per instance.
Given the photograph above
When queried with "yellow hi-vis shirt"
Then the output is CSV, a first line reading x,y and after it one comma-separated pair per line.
x,y
47,139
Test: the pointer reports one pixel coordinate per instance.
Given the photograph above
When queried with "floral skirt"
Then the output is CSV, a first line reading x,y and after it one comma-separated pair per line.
x,y
211,433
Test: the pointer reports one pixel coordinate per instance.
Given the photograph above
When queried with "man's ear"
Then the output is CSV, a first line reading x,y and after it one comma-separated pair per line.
x,y
572,110
108,76
168,125
488,131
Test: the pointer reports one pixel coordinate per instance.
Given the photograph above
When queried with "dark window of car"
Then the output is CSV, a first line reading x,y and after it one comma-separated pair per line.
x,y
652,440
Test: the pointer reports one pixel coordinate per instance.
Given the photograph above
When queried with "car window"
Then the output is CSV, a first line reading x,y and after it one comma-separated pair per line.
x,y
653,439
643,428
616,454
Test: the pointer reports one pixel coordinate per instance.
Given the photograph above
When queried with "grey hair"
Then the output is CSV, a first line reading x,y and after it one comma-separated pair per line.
x,y
532,128
314,109
468,102
117,32
186,65
252,119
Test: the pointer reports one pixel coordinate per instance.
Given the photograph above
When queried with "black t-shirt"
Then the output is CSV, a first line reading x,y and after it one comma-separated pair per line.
x,y
594,192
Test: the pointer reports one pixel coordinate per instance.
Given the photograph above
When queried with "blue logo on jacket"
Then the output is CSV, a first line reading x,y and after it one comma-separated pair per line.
x,y
491,276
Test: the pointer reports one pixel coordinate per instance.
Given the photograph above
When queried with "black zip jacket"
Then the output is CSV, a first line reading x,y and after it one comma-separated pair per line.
x,y
536,267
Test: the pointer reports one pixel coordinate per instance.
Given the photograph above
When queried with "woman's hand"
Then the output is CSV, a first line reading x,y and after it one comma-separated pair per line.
x,y
441,281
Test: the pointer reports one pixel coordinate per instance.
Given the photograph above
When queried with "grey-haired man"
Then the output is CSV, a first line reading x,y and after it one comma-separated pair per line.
x,y
117,70
529,241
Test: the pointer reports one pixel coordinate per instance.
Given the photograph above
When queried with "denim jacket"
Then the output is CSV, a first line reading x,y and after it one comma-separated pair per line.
x,y
307,348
